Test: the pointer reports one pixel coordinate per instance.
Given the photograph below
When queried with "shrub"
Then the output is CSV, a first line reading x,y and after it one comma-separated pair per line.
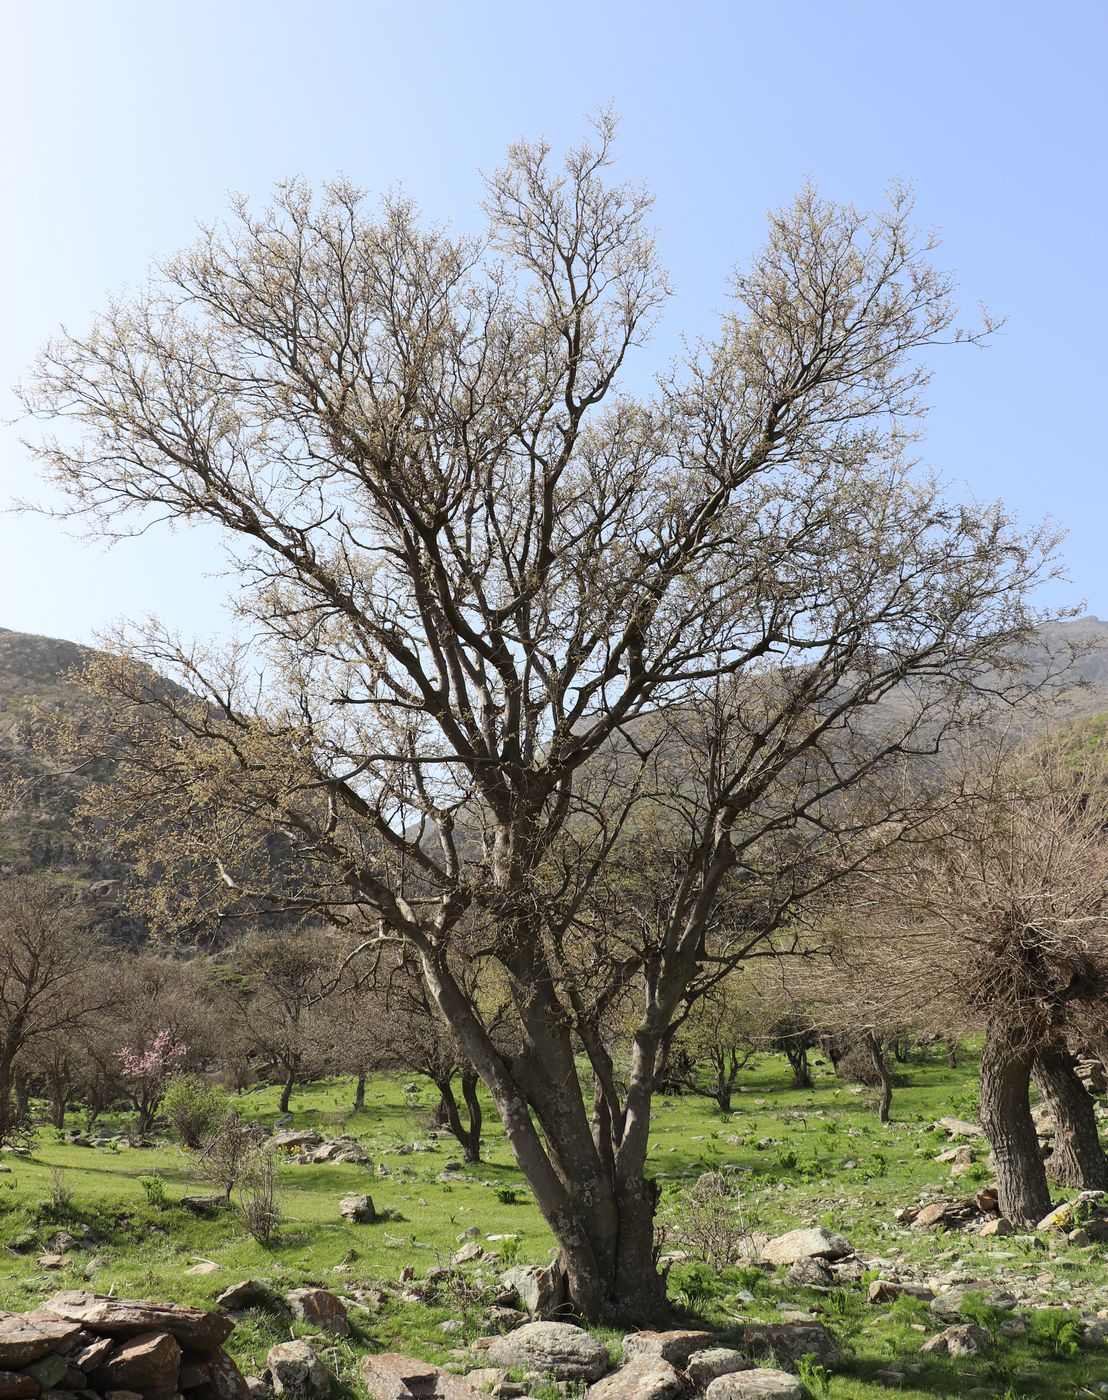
x,y
194,1108
154,1189
709,1223
258,1205
1056,1331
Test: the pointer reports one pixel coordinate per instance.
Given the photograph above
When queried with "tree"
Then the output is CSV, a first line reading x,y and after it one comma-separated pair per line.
x,y
46,954
995,920
723,1030
485,572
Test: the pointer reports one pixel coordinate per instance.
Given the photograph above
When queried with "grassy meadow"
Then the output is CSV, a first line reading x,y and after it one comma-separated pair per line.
x,y
801,1156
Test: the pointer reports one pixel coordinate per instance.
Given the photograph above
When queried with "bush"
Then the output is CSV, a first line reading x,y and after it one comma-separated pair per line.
x,y
708,1222
154,1188
257,1188
194,1108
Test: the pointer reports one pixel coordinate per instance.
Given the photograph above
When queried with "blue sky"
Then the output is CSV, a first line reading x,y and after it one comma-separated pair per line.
x,y
125,123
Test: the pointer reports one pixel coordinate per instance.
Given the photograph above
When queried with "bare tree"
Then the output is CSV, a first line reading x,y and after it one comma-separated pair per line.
x,y
477,570
46,954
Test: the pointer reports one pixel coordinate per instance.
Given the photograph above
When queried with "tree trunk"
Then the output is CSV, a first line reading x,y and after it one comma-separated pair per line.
x,y
1006,1119
884,1077
22,1100
359,1092
798,1059
1078,1158
952,1049
286,1091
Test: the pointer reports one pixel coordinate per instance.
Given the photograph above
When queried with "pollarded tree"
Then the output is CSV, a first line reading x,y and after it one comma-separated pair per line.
x,y
476,567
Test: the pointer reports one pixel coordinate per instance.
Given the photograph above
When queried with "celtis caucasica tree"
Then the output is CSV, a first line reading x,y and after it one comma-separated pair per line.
x,y
473,565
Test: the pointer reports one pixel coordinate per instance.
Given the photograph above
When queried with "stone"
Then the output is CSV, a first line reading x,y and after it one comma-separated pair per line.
x,y
17,1385
755,1385
358,1209
51,1261
539,1291
948,1303
705,1366
787,1342
812,1273
62,1242
674,1346
322,1309
1000,1226
91,1355
469,1253
814,1243
887,1290
557,1349
27,1336
129,1317
958,1127
390,1376
965,1339
206,1266
293,1139
225,1381
1064,1216
149,1362
257,1389
294,1369
643,1378
48,1370
250,1293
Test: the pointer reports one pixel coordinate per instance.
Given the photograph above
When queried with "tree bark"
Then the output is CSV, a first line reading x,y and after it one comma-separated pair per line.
x,y
1006,1118
884,1077
1078,1158
286,1092
798,1059
359,1092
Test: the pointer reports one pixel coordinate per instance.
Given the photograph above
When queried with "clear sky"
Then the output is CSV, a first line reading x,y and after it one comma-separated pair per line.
x,y
124,123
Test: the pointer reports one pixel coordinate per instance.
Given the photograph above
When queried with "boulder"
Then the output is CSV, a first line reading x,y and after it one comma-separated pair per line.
x,y
966,1339
887,1290
812,1273
814,1243
539,1291
675,1346
948,1303
705,1366
14,1385
958,1127
48,1370
643,1378
250,1293
25,1337
294,1369
358,1209
148,1362
557,1349
320,1308
755,1385
787,1342
130,1317
1000,1226
224,1380
469,1253
293,1139
390,1376
93,1353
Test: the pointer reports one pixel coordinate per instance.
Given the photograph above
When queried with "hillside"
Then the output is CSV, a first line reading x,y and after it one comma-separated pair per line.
x,y
38,673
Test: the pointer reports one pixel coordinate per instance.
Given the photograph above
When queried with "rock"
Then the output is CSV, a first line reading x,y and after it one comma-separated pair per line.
x,y
812,1273
390,1376
958,1127
225,1381
675,1346
987,1199
948,1303
129,1317
755,1385
51,1261
250,1293
322,1309
965,1339
705,1366
358,1209
48,1370
1000,1226
15,1385
886,1290
815,1243
643,1378
206,1266
294,1369
62,1242
558,1349
257,1389
539,1291
787,1342
1065,1215
469,1253
293,1139
27,1336
91,1355
147,1363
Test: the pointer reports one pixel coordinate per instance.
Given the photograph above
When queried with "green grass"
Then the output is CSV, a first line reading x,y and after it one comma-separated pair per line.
x,y
802,1157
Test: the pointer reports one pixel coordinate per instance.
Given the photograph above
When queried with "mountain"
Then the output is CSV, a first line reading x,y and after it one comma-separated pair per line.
x,y
37,673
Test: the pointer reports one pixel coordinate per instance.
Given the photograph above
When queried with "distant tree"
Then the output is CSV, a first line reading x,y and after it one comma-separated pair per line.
x,y
483,572
723,1030
47,953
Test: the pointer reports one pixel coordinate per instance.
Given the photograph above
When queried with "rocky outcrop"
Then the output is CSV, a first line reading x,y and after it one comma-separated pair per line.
x,y
88,1345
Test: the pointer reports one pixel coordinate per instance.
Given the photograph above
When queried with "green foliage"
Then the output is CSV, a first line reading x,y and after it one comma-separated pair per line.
x,y
1055,1331
507,1195
194,1108
153,1188
816,1379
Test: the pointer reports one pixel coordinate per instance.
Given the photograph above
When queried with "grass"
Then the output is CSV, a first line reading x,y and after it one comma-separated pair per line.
x,y
802,1157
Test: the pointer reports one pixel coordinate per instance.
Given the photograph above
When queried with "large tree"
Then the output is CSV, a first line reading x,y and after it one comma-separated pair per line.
x,y
481,576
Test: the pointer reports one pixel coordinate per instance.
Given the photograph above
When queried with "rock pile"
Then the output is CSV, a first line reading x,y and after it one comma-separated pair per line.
x,y
80,1346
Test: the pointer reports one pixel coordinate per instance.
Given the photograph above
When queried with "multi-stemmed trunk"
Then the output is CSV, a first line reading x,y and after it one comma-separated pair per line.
x,y
1006,1064
883,1075
1077,1158
468,1134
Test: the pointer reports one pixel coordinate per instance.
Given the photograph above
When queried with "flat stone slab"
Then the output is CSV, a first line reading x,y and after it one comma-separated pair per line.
x,y
755,1385
644,1378
129,1317
24,1337
674,1346
391,1376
